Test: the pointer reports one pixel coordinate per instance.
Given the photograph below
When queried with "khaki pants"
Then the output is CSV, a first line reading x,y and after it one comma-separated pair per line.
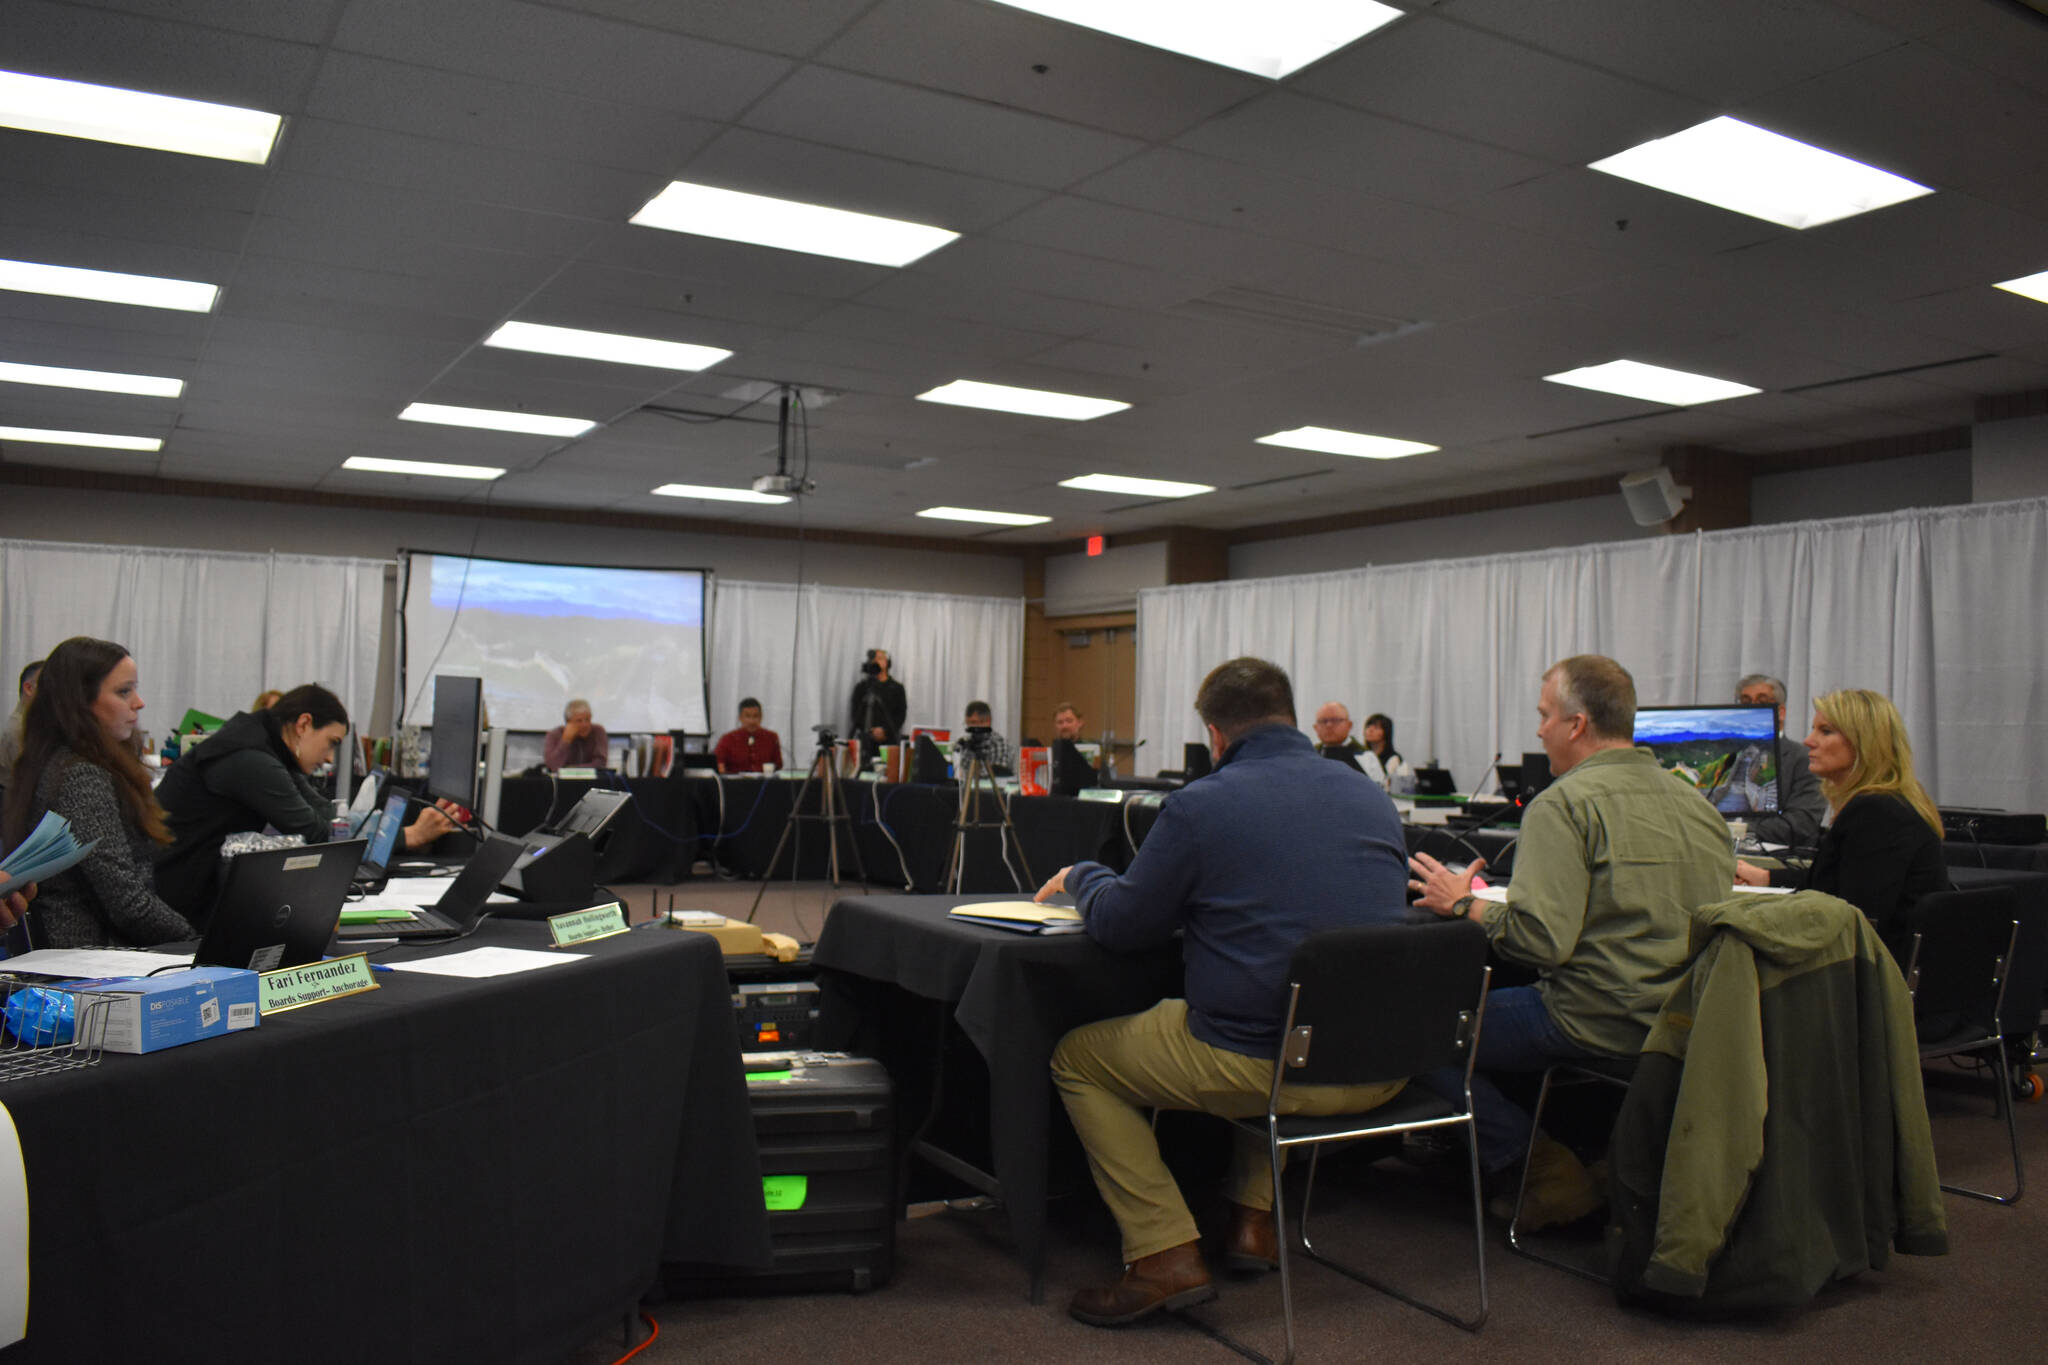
x,y
1110,1073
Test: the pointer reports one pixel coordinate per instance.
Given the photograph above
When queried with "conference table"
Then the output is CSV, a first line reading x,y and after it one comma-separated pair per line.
x,y
440,1169
904,832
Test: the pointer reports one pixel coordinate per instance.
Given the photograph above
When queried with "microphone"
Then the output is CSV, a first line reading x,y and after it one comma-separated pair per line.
x,y
1492,770
1458,836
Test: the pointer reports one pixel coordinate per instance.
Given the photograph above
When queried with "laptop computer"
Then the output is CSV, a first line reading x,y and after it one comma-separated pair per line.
x,y
383,833
460,906
363,809
278,906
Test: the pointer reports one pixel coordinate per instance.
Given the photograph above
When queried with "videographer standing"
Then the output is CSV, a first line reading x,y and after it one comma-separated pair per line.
x,y
879,705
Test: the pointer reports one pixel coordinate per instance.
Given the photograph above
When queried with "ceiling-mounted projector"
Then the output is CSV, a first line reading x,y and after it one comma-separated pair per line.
x,y
787,485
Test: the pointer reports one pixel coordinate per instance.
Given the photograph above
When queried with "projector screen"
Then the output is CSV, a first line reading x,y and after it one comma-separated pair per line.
x,y
628,641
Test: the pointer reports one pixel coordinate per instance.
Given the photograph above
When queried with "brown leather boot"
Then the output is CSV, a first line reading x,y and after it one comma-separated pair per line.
x,y
1254,1241
1173,1278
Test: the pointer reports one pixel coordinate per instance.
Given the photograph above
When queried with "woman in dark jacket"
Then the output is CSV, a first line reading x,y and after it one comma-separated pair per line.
x,y
80,758
1880,849
251,773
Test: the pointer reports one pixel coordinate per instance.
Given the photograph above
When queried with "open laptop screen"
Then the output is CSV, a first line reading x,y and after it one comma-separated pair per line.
x,y
389,824
1729,754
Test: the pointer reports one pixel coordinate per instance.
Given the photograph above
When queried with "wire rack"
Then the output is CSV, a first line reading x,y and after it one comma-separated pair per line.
x,y
40,1039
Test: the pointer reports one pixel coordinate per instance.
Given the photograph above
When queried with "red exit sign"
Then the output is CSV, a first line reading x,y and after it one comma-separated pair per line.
x,y
1094,545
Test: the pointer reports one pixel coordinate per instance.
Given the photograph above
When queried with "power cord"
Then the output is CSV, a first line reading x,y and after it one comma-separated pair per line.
x,y
653,1335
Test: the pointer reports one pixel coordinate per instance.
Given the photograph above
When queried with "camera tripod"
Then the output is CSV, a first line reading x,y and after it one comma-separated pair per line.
x,y
833,812
973,777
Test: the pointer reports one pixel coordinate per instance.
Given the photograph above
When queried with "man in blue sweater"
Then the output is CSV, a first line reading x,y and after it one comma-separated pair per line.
x,y
1272,846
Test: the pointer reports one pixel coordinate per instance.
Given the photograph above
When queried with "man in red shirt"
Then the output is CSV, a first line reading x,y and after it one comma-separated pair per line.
x,y
749,749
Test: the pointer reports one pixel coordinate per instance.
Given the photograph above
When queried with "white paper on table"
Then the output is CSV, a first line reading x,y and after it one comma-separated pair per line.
x,y
13,1234
93,962
1496,894
482,962
1742,890
413,893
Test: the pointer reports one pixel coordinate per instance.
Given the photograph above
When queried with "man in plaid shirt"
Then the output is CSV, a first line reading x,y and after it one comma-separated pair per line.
x,y
993,749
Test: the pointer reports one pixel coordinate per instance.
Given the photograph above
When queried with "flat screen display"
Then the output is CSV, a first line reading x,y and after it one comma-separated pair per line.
x,y
628,641
1728,754
457,740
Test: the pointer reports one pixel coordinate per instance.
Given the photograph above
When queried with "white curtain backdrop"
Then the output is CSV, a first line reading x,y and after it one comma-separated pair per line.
x,y
1941,609
946,651
207,629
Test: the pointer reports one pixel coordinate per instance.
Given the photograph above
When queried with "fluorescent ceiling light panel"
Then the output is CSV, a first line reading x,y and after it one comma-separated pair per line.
x,y
990,518
710,494
1270,39
135,118
1144,488
1333,442
2029,286
789,225
107,286
572,341
97,439
1735,165
370,464
971,393
1634,379
148,385
491,419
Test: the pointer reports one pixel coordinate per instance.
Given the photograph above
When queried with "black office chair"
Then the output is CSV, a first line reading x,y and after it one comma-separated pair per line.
x,y
1956,972
1617,1072
1367,1004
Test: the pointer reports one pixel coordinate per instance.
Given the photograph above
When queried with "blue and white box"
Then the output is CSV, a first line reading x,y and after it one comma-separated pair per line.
x,y
151,1013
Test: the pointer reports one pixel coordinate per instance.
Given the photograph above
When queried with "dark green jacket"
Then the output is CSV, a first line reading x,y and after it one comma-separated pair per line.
x,y
1775,1137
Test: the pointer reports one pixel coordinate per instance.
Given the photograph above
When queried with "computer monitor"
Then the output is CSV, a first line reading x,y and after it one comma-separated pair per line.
x,y
1194,761
1071,769
458,739
1728,754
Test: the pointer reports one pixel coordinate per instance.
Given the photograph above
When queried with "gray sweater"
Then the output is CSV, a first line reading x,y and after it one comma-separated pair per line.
x,y
109,899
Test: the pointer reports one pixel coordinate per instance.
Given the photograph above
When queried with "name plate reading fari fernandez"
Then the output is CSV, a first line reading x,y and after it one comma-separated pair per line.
x,y
581,926
289,988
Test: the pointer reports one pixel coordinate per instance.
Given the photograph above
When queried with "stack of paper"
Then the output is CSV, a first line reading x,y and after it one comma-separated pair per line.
x,y
1020,917
50,848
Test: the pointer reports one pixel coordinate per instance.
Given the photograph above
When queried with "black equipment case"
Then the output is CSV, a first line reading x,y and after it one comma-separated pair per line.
x,y
826,1129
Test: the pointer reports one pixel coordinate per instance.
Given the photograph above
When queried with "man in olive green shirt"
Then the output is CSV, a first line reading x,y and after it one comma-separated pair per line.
x,y
1614,856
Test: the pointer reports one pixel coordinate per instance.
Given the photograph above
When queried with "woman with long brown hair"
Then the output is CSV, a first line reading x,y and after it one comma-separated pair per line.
x,y
1880,849
79,758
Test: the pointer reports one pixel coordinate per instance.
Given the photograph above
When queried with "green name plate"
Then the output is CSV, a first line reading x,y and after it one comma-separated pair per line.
x,y
784,1193
1110,794
288,988
581,926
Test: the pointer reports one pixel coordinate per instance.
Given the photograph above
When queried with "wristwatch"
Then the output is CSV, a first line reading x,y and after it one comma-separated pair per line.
x,y
1462,906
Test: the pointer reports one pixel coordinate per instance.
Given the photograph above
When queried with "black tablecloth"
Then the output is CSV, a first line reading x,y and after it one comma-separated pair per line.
x,y
652,839
1013,995
437,1170
904,832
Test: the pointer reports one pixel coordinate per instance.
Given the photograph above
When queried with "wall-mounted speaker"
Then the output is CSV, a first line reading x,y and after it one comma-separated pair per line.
x,y
1653,497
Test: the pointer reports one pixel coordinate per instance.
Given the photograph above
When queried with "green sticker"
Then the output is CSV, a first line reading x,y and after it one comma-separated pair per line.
x,y
769,1076
785,1192
581,926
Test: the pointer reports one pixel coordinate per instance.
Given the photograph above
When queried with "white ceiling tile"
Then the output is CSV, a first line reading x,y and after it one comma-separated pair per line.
x,y
792,26
1720,53
991,53
134,52
543,48
903,121
1331,144
1477,85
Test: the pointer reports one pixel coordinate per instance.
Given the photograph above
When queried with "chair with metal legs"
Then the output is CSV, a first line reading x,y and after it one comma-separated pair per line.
x,y
1616,1072
1956,972
1369,1004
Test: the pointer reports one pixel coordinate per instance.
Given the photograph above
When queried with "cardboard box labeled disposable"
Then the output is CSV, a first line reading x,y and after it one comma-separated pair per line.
x,y
152,1013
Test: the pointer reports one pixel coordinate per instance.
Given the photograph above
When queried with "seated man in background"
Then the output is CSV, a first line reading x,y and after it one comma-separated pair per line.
x,y
1801,806
10,739
578,742
749,749
1333,734
991,748
1614,857
1223,865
